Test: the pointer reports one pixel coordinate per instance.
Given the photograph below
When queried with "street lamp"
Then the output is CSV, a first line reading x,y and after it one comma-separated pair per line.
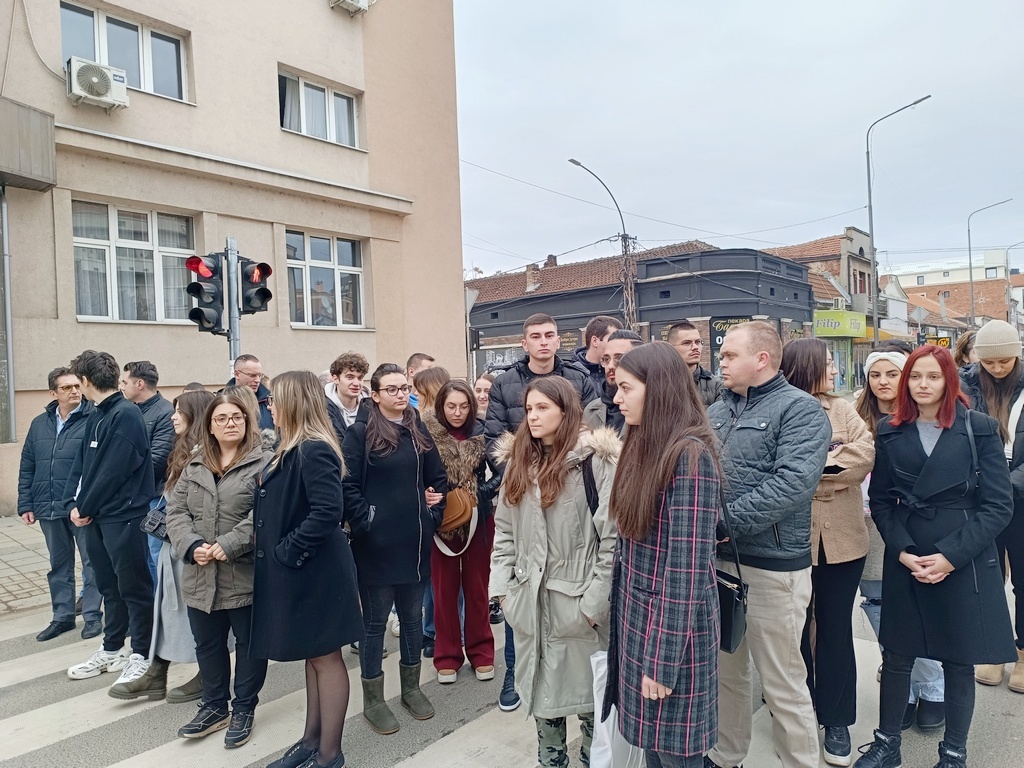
x,y
1009,287
628,288
970,253
871,221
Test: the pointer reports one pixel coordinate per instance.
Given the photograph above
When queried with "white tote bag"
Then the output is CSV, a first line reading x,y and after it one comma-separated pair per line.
x,y
609,749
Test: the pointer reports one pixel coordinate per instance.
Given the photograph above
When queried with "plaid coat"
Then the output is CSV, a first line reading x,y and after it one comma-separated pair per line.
x,y
665,622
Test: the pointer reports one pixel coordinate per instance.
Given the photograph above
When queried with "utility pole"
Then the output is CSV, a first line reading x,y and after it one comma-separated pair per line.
x,y
234,313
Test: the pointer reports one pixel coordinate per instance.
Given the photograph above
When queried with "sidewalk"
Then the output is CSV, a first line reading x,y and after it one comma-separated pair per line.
x,y
24,564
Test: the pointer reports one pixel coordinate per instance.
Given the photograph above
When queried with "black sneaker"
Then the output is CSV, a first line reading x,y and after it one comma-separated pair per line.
x,y
239,729
837,745
508,699
951,758
497,615
908,716
883,752
930,714
709,763
56,629
206,721
295,756
428,647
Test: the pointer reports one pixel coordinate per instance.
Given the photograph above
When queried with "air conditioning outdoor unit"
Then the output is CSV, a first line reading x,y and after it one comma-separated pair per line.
x,y
839,303
352,6
96,84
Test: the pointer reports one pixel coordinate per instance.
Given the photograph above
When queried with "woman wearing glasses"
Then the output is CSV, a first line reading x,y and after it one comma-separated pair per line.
x,y
209,523
394,501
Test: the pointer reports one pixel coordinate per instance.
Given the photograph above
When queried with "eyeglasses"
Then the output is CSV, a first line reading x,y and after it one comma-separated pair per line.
x,y
69,388
393,391
235,418
690,343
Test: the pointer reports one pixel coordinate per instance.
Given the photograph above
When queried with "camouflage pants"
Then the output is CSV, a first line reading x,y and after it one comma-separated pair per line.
x,y
552,751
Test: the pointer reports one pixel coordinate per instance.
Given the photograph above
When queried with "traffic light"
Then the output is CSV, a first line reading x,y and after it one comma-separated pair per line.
x,y
208,290
255,294
476,336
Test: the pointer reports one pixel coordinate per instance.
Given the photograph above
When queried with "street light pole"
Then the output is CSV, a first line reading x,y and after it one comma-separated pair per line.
x,y
871,220
1009,286
628,268
970,253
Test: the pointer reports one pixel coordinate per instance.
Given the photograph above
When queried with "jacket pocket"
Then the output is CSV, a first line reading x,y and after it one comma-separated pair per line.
x,y
520,614
190,578
565,619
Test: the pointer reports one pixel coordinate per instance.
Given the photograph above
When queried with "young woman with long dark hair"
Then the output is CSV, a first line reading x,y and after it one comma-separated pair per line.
x,y
940,494
663,653
552,559
839,547
394,498
305,600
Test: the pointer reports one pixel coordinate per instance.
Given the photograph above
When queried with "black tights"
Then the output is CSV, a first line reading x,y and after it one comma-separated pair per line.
x,y
959,679
326,705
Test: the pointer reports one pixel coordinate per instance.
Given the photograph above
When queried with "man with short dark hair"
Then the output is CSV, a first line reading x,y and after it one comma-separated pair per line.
x,y
595,336
418,361
603,411
774,440
50,448
248,372
107,496
138,385
686,339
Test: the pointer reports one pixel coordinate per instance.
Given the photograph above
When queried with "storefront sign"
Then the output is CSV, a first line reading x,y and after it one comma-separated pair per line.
x,y
720,326
839,323
938,341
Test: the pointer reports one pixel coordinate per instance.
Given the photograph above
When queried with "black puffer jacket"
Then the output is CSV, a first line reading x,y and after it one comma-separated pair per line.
x,y
263,398
507,407
596,370
709,386
970,383
46,460
157,412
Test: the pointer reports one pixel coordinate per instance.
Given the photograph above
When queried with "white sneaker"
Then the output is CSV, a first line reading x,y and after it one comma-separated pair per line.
x,y
101,661
394,626
134,669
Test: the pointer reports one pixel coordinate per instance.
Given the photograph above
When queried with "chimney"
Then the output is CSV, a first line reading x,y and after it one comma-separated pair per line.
x,y
552,261
532,278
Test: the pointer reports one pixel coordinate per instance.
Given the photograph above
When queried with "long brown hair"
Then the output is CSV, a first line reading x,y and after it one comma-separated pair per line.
x,y
673,413
192,407
447,389
529,463
805,363
300,413
243,399
382,434
998,395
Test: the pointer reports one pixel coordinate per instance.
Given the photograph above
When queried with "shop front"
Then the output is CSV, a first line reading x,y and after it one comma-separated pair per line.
x,y
838,328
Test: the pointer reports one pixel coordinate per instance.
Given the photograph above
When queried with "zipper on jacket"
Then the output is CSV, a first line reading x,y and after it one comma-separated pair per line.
x,y
778,539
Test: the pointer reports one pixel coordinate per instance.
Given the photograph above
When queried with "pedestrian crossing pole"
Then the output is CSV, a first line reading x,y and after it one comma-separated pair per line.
x,y
234,311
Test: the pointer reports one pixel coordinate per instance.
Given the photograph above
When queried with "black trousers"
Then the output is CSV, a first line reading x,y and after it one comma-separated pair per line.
x,y
210,631
119,554
832,667
1010,543
959,682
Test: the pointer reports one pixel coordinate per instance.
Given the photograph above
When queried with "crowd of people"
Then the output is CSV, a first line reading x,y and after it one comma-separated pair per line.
x,y
585,503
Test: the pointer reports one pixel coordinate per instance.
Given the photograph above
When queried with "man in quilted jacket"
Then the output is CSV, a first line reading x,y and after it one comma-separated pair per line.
x,y
774,440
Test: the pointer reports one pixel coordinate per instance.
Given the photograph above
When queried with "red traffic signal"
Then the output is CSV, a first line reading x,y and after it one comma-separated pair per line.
x,y
255,293
204,266
208,291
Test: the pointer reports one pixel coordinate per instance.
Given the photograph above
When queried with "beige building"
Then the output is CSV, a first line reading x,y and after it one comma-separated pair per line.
x,y
325,142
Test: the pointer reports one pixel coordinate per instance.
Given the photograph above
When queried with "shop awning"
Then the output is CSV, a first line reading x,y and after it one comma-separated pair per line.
x,y
884,335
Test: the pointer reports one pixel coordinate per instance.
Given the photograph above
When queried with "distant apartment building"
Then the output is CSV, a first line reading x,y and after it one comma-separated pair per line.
x,y
948,282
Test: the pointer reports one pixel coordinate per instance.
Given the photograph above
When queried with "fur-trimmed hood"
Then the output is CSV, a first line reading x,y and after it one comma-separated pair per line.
x,y
461,458
603,442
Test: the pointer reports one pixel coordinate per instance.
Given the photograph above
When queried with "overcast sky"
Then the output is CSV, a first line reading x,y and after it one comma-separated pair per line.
x,y
734,116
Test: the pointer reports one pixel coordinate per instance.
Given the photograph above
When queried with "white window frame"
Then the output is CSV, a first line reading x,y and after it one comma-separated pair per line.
x,y
99,31
331,92
109,248
307,293
994,273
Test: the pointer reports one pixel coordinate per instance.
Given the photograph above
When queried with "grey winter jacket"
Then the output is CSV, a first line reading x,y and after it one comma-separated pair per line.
x,y
774,447
157,412
709,387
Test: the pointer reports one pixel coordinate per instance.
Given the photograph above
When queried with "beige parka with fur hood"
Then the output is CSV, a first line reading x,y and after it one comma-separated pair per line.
x,y
553,567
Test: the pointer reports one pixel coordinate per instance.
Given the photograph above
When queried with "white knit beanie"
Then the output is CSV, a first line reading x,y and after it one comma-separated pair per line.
x,y
996,340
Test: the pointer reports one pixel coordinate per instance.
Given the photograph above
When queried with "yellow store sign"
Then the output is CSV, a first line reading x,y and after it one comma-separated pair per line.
x,y
839,323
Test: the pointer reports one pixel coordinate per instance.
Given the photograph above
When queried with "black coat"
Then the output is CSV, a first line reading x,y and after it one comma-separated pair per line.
x,y
392,526
157,412
46,460
305,600
970,384
936,504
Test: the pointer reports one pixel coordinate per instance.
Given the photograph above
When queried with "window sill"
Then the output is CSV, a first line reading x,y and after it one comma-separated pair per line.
x,y
112,321
324,141
356,328
143,92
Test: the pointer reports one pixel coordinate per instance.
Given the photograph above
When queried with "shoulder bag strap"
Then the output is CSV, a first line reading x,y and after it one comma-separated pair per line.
x,y
974,448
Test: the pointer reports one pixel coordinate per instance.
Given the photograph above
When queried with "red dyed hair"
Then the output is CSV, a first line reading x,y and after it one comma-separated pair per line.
x,y
906,411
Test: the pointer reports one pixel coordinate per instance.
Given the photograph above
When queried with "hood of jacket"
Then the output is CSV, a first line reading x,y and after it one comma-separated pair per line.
x,y
602,441
579,356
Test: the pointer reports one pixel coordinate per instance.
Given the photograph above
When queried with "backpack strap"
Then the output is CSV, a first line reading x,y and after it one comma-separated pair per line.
x,y
590,484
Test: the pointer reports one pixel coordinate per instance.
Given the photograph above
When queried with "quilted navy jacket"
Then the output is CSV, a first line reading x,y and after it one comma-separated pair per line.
x,y
46,460
774,446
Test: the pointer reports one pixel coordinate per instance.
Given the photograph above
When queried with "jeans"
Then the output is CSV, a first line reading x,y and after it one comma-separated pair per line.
x,y
376,602
959,679
428,611
154,543
210,631
665,760
120,562
61,536
1010,543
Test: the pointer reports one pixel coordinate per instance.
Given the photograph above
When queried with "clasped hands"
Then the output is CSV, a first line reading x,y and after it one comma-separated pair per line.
x,y
927,569
207,553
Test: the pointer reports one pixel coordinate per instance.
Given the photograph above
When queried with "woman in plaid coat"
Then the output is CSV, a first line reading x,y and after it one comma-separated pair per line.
x,y
663,652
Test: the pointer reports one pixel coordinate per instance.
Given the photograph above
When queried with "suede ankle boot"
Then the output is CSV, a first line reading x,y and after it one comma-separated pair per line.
x,y
989,674
412,697
1017,675
375,707
190,691
152,683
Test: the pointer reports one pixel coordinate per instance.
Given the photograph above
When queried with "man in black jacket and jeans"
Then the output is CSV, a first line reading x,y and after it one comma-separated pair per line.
x,y
107,495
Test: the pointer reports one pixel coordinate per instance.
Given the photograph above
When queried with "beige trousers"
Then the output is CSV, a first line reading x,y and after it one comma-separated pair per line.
x,y
776,612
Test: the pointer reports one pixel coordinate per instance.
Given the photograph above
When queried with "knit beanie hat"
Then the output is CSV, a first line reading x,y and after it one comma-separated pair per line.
x,y
996,340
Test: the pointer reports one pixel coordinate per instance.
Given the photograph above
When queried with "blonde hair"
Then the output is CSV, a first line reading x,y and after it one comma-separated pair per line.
x,y
300,413
762,337
428,383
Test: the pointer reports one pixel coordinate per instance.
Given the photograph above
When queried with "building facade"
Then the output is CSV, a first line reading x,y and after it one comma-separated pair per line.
x,y
324,142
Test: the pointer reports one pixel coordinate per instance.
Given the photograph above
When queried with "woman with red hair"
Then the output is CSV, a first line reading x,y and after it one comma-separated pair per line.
x,y
939,494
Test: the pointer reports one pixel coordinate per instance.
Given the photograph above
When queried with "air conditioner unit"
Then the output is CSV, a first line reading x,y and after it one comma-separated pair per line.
x,y
839,303
96,84
352,6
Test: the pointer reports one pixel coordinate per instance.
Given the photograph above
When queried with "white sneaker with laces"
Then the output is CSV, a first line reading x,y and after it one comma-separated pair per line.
x,y
394,626
101,661
134,669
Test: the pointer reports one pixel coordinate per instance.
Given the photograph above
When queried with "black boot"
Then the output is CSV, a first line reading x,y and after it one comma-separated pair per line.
x,y
883,752
152,683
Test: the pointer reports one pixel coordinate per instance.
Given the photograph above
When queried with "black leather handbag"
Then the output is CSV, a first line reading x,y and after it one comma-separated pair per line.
x,y
732,596
155,521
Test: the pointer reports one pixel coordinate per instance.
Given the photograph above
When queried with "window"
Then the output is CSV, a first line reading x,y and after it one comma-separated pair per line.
x,y
325,276
315,110
771,291
153,61
945,274
130,265
664,294
494,315
920,279
991,272
945,294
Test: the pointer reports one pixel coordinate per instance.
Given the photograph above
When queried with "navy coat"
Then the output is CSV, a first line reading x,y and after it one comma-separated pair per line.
x,y
937,504
46,460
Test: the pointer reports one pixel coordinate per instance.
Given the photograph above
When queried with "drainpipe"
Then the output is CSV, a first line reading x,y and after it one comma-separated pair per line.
x,y
5,248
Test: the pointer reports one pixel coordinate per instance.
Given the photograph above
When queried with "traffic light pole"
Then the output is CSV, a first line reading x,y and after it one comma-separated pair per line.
x,y
234,313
